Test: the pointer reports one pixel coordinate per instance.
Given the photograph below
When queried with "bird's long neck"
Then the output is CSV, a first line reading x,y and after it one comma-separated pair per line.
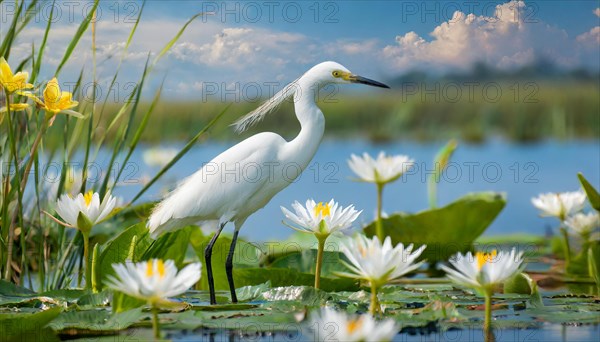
x,y
312,123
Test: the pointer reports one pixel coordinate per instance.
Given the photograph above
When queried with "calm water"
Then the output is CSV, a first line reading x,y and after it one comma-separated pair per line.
x,y
521,171
549,333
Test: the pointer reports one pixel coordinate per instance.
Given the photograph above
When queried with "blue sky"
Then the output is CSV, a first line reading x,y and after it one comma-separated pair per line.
x,y
253,42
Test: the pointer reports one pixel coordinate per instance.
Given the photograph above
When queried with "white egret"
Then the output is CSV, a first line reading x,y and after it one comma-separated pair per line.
x,y
245,177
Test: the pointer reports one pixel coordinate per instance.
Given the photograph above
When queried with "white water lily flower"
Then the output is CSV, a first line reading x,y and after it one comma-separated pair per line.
x,y
330,325
583,224
319,218
484,270
560,205
379,263
382,170
159,156
89,205
153,280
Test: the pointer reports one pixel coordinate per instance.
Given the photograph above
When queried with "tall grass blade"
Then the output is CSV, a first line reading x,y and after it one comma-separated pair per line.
x,y
93,111
30,12
75,40
175,39
35,70
123,56
139,131
11,33
125,130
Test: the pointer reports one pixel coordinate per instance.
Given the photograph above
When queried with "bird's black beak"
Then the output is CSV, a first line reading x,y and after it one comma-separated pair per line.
x,y
367,81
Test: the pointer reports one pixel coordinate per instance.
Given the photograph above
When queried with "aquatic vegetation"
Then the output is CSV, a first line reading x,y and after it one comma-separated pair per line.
x,y
82,213
321,220
583,224
483,272
154,281
348,328
12,82
379,171
378,263
579,234
440,163
559,205
286,288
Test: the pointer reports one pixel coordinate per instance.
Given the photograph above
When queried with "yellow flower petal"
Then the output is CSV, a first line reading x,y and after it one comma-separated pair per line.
x,y
10,82
56,100
31,96
51,92
5,72
66,101
15,107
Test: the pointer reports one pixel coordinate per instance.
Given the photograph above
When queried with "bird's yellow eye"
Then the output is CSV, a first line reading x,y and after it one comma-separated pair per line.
x,y
336,73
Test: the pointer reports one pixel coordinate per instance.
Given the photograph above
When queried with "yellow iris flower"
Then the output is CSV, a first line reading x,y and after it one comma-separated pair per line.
x,y
55,100
13,82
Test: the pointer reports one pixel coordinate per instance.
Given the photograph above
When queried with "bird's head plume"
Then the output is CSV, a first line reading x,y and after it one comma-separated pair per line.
x,y
267,107
318,76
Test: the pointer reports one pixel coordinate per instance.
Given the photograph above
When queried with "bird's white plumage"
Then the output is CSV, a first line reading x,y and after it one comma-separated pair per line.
x,y
245,177
207,194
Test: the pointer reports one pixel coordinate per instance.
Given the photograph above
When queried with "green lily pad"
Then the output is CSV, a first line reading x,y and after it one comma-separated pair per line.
x,y
28,326
99,321
225,307
446,230
10,289
305,294
305,262
11,294
289,277
117,250
517,284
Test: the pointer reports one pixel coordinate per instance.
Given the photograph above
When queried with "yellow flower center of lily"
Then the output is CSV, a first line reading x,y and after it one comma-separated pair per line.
x,y
323,209
88,198
484,258
160,265
354,325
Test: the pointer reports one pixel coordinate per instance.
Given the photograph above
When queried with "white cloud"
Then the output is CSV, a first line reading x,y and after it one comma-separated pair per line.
x,y
212,51
238,48
590,39
504,40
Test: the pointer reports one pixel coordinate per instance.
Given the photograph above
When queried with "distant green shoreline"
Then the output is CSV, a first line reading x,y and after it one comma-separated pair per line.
x,y
561,111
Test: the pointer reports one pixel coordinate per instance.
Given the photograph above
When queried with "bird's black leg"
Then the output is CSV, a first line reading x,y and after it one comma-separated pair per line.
x,y
229,267
207,258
